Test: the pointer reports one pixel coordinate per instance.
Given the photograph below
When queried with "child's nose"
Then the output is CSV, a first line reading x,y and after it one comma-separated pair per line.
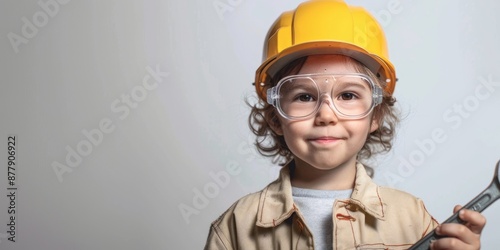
x,y
326,114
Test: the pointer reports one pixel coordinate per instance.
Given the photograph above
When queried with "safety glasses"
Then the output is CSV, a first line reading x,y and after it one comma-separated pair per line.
x,y
351,96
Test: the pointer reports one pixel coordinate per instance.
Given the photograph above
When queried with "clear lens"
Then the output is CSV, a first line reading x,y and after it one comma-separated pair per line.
x,y
350,95
298,97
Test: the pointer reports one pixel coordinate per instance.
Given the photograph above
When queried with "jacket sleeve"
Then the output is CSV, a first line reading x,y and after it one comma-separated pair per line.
x,y
235,227
217,240
429,222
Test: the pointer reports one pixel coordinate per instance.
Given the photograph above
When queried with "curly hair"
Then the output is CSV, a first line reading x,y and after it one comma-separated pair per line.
x,y
263,117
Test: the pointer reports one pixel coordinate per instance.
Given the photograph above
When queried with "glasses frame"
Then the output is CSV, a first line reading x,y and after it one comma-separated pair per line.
x,y
273,97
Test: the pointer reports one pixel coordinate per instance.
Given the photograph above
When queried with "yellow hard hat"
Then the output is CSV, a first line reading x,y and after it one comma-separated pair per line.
x,y
325,27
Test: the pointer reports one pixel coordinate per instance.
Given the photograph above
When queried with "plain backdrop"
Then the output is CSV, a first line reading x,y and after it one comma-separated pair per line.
x,y
131,123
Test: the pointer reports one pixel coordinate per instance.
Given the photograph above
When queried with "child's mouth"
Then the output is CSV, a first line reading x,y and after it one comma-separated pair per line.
x,y
325,139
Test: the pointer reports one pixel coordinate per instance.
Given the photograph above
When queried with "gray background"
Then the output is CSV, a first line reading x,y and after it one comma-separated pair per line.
x,y
82,60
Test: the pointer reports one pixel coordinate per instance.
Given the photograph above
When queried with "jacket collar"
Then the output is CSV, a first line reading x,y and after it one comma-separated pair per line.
x,y
276,201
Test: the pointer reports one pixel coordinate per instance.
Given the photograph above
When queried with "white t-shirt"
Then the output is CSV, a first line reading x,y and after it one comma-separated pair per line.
x,y
317,208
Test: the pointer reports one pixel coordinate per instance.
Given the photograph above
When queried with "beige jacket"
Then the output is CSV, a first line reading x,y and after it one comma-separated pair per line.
x,y
373,218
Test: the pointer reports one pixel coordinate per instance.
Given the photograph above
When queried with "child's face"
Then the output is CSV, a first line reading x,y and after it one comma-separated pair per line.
x,y
324,141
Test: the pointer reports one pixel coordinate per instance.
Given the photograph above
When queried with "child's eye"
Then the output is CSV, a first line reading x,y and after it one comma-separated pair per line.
x,y
347,96
305,98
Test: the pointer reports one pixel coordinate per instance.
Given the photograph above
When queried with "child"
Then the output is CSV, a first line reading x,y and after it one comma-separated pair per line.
x,y
326,103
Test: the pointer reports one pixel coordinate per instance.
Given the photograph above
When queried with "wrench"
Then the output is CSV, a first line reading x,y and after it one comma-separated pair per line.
x,y
480,203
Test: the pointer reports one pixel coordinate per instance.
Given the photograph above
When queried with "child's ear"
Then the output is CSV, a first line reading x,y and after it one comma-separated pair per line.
x,y
375,123
276,126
